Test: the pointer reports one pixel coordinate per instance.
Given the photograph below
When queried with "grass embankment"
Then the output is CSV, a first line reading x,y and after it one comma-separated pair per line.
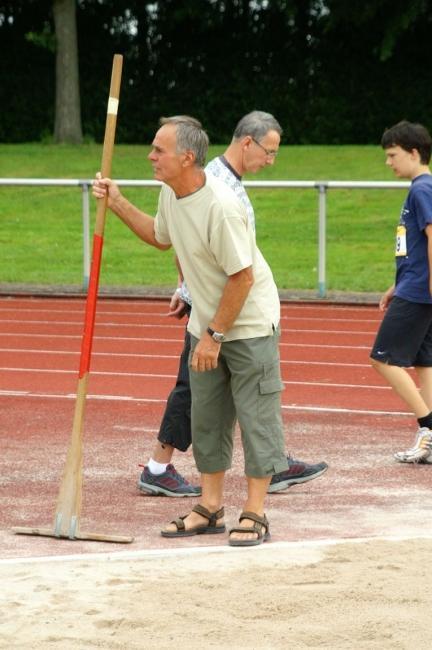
x,y
41,227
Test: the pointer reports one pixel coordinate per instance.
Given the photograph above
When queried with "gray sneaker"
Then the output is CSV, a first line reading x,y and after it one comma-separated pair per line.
x,y
169,484
421,451
297,472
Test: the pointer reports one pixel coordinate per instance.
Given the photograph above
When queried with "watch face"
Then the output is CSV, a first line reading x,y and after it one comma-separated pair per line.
x,y
216,336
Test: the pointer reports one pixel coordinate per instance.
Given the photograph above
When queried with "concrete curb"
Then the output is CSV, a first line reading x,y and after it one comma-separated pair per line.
x,y
162,293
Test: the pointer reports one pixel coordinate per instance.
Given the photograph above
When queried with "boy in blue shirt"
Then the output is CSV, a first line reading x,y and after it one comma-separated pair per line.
x,y
404,338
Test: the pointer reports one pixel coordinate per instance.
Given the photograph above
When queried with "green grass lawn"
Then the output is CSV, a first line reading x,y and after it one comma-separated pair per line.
x,y
41,227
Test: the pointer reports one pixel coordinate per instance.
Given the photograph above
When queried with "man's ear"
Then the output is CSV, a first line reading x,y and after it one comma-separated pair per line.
x,y
246,141
189,158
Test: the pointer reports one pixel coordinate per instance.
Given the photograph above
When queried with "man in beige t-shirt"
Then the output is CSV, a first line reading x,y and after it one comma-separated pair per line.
x,y
234,362
211,234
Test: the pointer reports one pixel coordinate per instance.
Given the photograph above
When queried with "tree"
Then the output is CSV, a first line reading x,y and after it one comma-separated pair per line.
x,y
328,74
67,126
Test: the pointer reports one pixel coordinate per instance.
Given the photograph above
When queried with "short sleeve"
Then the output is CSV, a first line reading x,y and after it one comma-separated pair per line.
x,y
231,244
160,225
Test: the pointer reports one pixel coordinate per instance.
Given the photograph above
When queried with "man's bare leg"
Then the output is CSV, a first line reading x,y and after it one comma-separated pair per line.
x,y
162,453
211,498
257,492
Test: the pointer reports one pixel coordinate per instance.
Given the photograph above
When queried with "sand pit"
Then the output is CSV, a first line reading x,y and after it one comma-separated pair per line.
x,y
366,594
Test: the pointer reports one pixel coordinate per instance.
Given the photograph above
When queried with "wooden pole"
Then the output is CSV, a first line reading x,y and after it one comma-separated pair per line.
x,y
68,510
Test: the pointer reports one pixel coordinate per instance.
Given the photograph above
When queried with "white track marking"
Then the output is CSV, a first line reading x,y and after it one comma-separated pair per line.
x,y
173,340
99,338
76,353
170,326
170,356
148,400
149,375
97,324
162,300
103,312
286,306
208,550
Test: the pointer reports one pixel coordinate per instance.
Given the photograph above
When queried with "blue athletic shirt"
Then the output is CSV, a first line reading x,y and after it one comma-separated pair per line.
x,y
412,266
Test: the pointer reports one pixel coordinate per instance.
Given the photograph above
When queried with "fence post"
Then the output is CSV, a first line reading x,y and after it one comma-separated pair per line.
x,y
322,215
86,234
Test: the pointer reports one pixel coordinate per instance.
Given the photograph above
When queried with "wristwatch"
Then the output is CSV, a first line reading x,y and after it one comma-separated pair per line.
x,y
219,337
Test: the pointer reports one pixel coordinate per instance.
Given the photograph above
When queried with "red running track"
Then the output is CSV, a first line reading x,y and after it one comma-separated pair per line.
x,y
324,352
335,408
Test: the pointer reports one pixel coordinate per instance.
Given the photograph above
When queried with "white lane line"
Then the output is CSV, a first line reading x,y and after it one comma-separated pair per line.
x,y
113,398
211,550
149,400
97,323
149,375
82,301
171,356
330,409
93,372
95,354
163,315
173,340
298,305
152,326
121,427
99,338
326,346
164,300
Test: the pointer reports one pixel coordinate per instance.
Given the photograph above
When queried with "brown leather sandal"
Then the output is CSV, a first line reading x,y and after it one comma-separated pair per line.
x,y
210,528
259,524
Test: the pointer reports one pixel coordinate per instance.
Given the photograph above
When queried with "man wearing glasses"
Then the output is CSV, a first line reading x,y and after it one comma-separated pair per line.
x,y
254,145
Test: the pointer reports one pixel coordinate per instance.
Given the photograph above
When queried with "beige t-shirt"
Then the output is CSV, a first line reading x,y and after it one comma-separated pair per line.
x,y
213,239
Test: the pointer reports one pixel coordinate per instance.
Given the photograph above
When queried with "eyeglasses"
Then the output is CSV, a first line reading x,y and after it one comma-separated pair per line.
x,y
271,153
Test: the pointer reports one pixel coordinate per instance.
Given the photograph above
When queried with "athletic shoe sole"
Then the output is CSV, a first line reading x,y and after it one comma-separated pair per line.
x,y
410,460
157,491
284,485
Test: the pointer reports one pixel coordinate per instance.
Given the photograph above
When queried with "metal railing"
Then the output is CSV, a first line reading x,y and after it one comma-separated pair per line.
x,y
320,186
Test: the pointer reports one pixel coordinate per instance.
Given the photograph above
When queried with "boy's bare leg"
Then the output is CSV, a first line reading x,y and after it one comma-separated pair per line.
x,y
425,381
403,384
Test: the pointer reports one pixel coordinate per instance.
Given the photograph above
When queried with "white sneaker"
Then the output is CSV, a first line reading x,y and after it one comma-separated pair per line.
x,y
421,452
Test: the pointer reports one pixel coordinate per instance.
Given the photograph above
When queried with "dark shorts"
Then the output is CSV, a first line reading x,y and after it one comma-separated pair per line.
x,y
175,428
405,336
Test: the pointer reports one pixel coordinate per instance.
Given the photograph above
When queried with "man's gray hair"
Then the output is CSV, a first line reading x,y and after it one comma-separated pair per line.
x,y
256,124
190,136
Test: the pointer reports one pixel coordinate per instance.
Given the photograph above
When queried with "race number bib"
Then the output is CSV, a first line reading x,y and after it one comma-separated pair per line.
x,y
401,246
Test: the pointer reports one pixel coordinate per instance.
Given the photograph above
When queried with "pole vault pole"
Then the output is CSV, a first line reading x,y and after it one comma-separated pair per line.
x,y
68,510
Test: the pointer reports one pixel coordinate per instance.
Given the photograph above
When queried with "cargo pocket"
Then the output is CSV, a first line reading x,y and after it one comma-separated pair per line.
x,y
269,389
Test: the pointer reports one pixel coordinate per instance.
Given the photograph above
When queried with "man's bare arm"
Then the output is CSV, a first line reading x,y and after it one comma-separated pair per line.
x,y
234,296
139,222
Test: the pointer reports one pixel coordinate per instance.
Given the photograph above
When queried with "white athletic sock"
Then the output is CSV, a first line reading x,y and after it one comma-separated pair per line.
x,y
156,468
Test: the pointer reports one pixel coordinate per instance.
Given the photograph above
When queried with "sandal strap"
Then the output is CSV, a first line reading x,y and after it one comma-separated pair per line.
x,y
247,529
179,523
212,517
262,521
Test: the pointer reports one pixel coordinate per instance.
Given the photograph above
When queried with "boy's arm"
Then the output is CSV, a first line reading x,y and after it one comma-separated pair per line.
x,y
386,298
428,232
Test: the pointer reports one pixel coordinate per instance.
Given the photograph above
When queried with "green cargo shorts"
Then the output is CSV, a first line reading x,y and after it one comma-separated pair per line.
x,y
246,386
